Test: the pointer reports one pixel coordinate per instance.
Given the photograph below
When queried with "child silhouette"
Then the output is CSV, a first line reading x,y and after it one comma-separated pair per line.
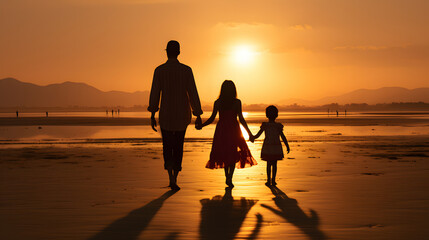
x,y
272,149
229,147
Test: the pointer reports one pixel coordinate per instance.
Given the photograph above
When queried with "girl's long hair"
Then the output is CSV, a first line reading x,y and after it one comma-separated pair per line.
x,y
228,94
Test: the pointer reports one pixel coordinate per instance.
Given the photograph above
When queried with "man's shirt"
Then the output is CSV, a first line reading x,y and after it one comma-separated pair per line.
x,y
173,83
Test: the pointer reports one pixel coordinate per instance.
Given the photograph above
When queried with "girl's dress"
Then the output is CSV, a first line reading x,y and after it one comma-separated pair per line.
x,y
272,147
229,146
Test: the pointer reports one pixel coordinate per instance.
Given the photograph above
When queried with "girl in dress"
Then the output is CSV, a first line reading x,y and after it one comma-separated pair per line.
x,y
229,148
272,148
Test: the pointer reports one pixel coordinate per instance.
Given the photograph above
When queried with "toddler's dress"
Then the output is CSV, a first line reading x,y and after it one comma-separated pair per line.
x,y
272,146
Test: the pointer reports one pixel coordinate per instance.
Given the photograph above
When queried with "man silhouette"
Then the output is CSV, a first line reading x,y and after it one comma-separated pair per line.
x,y
173,83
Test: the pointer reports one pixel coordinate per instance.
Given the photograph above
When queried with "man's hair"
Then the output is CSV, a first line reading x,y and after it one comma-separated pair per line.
x,y
173,48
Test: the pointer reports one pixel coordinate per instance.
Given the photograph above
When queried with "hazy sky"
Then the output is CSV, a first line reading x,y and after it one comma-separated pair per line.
x,y
272,50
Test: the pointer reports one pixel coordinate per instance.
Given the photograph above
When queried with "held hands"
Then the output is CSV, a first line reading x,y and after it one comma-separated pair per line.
x,y
288,150
251,138
198,123
153,123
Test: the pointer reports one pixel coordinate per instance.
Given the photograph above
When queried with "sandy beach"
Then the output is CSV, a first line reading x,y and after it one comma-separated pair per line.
x,y
331,186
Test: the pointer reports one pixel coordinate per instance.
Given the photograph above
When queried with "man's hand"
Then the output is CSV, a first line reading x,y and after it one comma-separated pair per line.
x,y
153,123
198,123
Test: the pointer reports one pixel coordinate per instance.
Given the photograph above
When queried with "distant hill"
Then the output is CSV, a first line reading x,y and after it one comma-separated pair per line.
x,y
14,93
375,96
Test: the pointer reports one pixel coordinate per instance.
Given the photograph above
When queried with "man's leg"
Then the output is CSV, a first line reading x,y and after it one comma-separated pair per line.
x,y
179,139
167,145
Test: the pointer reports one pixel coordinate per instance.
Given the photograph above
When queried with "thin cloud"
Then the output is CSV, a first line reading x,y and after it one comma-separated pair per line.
x,y
242,25
301,27
363,48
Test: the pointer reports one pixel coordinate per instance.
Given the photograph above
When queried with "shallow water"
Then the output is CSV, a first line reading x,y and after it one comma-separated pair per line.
x,y
58,133
67,133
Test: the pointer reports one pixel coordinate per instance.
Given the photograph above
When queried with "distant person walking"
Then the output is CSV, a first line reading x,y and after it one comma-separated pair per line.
x,y
46,114
17,114
173,83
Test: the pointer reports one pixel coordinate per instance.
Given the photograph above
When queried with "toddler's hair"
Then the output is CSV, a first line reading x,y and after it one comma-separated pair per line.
x,y
271,112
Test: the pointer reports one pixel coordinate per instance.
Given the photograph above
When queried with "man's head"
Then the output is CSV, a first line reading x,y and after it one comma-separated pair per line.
x,y
173,49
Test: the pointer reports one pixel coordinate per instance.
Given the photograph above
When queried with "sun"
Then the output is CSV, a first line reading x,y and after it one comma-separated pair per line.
x,y
243,54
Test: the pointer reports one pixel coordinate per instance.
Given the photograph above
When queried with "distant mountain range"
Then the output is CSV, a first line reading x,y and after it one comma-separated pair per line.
x,y
14,93
369,96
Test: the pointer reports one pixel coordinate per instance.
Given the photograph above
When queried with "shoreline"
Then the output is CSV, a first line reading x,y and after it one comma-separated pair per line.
x,y
136,121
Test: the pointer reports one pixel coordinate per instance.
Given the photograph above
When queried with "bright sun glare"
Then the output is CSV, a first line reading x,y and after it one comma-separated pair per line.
x,y
243,54
244,132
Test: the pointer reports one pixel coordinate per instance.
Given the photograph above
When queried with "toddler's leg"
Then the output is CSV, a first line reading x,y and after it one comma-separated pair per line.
x,y
274,172
268,183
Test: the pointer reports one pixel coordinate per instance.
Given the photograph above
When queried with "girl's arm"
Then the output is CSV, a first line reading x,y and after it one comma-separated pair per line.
x,y
243,122
213,116
285,141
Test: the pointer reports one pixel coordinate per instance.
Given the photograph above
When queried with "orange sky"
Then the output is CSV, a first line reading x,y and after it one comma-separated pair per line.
x,y
296,49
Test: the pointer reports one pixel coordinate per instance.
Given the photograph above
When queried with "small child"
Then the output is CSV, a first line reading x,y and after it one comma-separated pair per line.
x,y
272,149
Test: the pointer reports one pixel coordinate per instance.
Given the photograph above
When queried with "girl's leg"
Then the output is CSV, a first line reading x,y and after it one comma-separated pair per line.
x,y
226,175
274,172
268,183
230,173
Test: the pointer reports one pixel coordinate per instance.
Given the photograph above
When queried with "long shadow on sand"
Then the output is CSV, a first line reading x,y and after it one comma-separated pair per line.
x,y
222,216
290,211
132,225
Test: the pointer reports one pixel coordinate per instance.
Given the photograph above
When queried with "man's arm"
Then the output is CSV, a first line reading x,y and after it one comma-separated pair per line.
x,y
213,116
153,121
155,93
193,95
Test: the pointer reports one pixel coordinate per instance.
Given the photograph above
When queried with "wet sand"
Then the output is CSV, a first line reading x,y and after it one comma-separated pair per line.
x,y
329,187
